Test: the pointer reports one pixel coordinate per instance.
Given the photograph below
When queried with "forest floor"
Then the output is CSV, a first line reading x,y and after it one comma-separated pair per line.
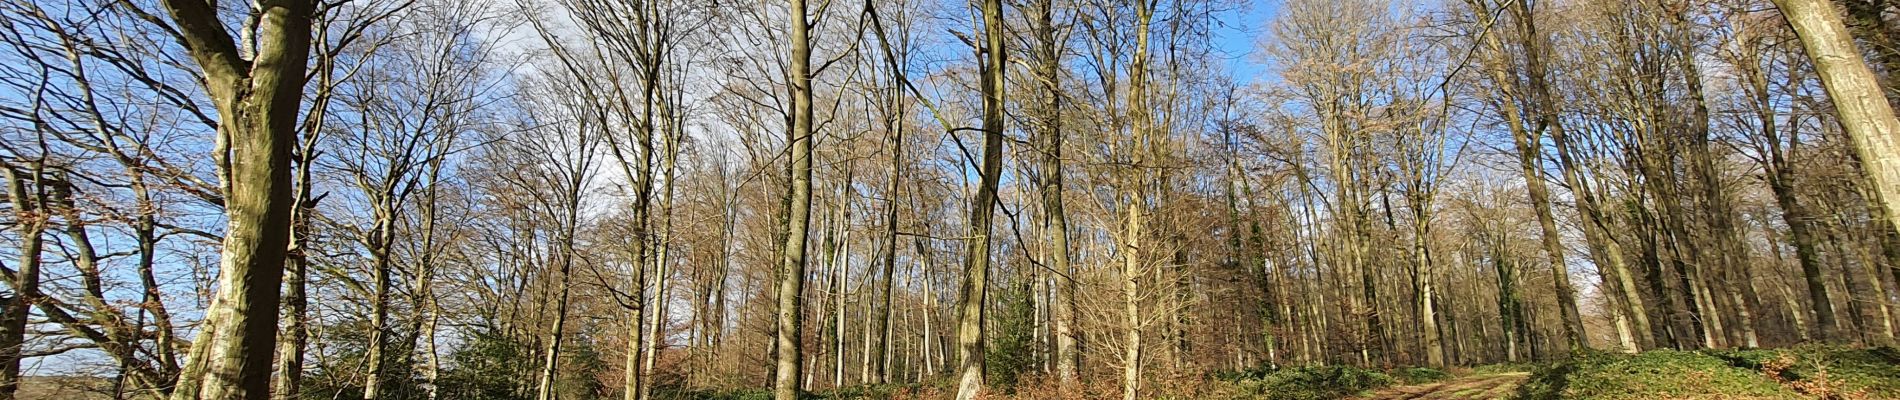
x,y
1486,387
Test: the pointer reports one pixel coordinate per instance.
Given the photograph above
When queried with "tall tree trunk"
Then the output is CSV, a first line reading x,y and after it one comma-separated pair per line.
x,y
259,99
551,360
294,337
1780,174
1434,341
428,310
1131,294
632,372
931,346
840,261
1529,151
1241,243
30,213
1133,184
880,363
1795,214
655,337
832,227
1510,305
380,243
1055,221
974,293
1717,208
798,221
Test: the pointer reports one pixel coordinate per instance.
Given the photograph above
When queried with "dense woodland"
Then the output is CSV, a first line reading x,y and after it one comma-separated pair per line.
x,y
579,199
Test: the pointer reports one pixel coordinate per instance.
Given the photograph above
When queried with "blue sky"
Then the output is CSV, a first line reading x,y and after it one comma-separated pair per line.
x,y
1239,36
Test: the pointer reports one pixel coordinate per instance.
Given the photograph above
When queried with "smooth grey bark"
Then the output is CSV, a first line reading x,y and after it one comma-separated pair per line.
x,y
798,215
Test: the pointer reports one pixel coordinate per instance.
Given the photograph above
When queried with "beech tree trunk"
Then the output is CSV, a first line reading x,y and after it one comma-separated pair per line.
x,y
974,293
29,208
1856,92
1133,201
258,100
798,216
880,359
1055,221
1529,149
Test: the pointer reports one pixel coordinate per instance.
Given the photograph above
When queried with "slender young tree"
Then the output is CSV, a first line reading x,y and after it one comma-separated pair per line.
x,y
895,113
1134,181
791,270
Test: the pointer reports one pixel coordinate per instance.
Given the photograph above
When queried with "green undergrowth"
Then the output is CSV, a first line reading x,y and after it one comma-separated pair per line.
x,y
732,394
1419,375
1805,372
1825,371
1507,368
1651,375
881,391
1321,382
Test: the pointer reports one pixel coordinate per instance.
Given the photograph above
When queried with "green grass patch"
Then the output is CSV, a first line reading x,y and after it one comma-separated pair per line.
x,y
1660,374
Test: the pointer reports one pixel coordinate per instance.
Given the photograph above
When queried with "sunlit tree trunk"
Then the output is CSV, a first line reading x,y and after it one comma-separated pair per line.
x,y
380,243
973,295
30,217
258,99
655,308
551,358
1133,181
1529,153
880,359
1856,93
791,269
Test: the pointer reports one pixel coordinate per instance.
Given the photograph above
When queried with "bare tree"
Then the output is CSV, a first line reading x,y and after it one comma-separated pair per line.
x,y
791,271
259,97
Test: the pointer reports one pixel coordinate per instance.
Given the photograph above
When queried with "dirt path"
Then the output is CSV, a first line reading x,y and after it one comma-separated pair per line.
x,y
1481,387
